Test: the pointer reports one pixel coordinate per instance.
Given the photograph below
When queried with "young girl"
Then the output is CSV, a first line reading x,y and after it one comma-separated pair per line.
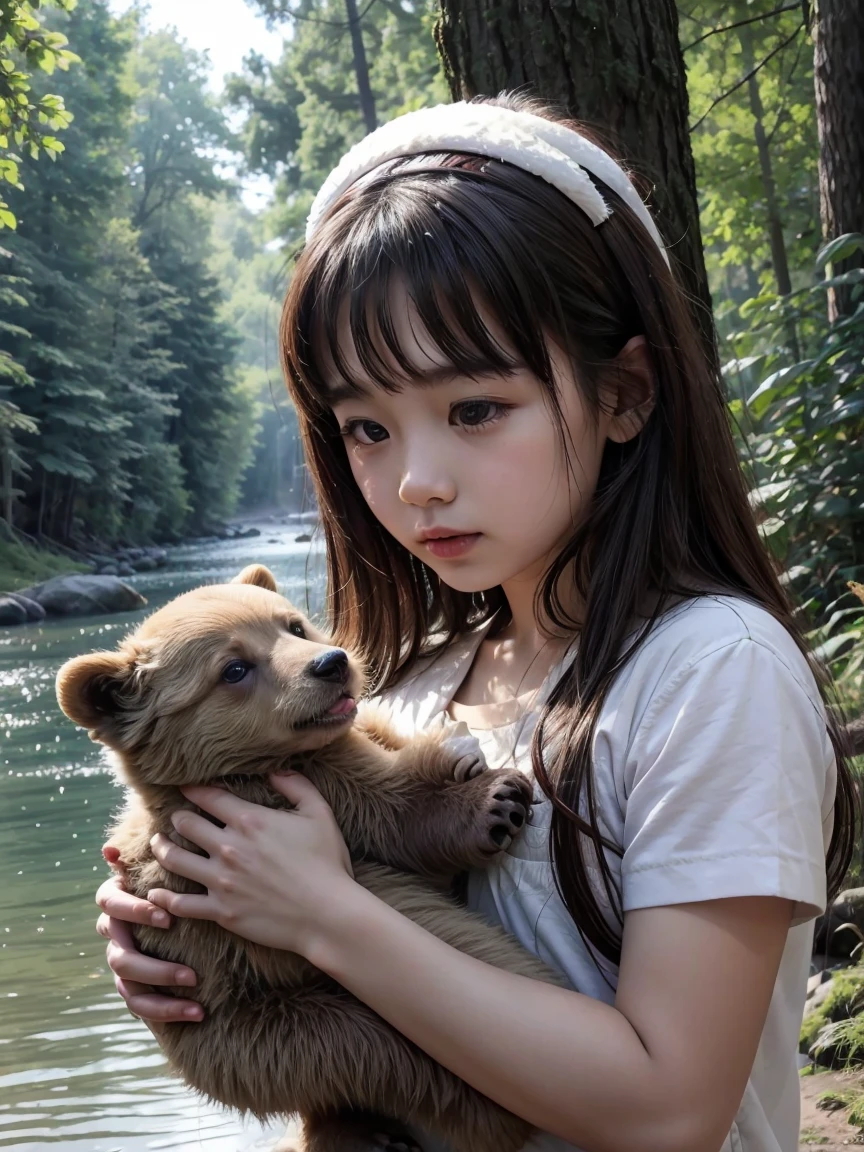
x,y
536,525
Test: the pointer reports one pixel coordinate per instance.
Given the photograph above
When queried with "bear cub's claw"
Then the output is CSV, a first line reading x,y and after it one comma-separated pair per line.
x,y
505,809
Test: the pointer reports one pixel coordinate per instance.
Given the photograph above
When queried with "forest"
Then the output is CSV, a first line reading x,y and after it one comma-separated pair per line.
x,y
140,394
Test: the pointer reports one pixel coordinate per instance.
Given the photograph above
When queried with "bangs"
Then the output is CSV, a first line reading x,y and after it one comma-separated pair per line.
x,y
409,241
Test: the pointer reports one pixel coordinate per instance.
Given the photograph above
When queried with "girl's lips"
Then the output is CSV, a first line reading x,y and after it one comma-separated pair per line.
x,y
448,547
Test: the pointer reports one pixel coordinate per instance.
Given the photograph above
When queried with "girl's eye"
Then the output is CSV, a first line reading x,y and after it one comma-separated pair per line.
x,y
476,413
365,431
297,629
236,671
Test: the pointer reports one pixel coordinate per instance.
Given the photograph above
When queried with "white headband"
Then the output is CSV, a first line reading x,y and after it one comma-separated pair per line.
x,y
548,149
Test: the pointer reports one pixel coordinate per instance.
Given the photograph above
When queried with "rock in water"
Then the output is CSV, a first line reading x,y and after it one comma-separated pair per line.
x,y
34,611
11,611
85,595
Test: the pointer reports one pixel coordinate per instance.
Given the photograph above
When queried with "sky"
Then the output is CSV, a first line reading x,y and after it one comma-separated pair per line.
x,y
228,30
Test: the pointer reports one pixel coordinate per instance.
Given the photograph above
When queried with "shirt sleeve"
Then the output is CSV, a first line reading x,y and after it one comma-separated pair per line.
x,y
730,786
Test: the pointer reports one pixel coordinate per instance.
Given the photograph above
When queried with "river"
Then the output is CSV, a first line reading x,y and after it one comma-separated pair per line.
x,y
76,1070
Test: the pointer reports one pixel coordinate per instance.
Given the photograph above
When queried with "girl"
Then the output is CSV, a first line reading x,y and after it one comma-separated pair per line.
x,y
536,524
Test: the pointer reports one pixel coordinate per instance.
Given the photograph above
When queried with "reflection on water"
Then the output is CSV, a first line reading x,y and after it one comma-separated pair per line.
x,y
76,1070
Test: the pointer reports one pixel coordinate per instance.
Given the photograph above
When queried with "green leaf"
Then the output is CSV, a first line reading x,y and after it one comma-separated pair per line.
x,y
839,249
778,380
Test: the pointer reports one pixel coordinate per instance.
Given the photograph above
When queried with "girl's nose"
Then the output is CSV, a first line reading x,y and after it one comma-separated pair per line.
x,y
422,485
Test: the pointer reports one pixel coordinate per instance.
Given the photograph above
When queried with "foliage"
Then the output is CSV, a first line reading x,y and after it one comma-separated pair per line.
x,y
845,995
22,565
26,47
798,397
735,201
254,277
112,345
303,112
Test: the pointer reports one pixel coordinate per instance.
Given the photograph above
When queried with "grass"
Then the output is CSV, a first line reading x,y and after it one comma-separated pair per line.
x,y
21,565
811,1136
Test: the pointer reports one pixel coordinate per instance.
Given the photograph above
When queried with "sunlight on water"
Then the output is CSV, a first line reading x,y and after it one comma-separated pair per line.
x,y
76,1070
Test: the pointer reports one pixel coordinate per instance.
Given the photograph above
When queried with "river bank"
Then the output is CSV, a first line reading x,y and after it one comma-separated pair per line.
x,y
76,1071
24,563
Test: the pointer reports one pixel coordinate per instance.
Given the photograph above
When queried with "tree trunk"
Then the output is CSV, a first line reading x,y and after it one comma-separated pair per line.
x,y
615,66
8,496
772,208
361,68
838,68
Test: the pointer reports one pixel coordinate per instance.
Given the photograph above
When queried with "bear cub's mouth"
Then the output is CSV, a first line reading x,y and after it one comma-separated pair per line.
x,y
342,712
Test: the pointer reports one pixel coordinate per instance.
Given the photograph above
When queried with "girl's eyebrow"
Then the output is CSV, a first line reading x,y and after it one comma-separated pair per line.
x,y
427,378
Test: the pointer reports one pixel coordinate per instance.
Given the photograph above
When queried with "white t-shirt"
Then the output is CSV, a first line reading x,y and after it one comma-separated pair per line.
x,y
716,777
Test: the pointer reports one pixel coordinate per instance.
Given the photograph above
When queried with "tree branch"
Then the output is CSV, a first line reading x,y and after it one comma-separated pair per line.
x,y
344,24
744,79
741,23
781,111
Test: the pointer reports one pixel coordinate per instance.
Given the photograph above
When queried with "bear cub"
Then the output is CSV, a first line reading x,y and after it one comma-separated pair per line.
x,y
227,684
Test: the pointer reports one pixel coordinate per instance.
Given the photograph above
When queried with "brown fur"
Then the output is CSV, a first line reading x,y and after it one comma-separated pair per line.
x,y
279,1037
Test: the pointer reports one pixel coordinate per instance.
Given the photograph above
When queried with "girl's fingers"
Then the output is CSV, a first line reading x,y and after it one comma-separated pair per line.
x,y
182,904
181,861
120,931
155,1009
121,905
219,802
135,966
302,793
198,829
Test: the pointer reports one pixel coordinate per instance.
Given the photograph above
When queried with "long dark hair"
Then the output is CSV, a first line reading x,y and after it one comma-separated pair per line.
x,y
670,513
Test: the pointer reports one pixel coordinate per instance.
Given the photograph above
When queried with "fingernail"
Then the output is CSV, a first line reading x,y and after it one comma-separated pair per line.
x,y
192,1013
159,919
186,976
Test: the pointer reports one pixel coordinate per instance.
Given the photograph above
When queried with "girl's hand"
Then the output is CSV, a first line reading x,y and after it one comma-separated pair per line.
x,y
270,875
136,974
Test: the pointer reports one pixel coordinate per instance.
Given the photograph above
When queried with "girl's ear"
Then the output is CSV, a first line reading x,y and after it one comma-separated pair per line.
x,y
629,391
258,575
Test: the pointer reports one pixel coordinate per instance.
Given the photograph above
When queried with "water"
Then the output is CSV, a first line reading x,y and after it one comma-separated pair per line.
x,y
76,1070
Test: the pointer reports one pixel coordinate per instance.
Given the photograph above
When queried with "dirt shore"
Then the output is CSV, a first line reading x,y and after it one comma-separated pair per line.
x,y
828,1130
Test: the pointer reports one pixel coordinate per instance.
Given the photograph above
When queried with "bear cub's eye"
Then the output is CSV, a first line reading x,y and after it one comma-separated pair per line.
x,y
236,671
297,629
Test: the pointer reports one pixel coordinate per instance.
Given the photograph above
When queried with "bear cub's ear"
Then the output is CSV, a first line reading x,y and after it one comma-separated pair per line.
x,y
258,575
90,689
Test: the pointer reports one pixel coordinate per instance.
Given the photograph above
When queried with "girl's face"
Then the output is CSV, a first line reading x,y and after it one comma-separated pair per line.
x,y
471,474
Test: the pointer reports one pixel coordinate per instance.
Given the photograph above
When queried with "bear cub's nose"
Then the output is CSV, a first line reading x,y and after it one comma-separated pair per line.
x,y
332,666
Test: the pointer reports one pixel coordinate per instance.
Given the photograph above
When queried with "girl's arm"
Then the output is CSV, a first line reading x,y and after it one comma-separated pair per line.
x,y
663,1070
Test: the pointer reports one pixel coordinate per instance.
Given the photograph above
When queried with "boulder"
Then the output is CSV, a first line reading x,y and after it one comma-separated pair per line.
x,y
124,568
303,538
107,570
85,595
830,937
34,611
144,564
11,611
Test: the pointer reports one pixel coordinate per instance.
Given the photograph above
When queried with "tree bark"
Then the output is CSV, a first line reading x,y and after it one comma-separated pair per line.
x,y
838,67
615,66
766,167
361,68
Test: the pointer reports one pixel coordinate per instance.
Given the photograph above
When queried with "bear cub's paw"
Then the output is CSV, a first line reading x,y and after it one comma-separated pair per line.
x,y
503,809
